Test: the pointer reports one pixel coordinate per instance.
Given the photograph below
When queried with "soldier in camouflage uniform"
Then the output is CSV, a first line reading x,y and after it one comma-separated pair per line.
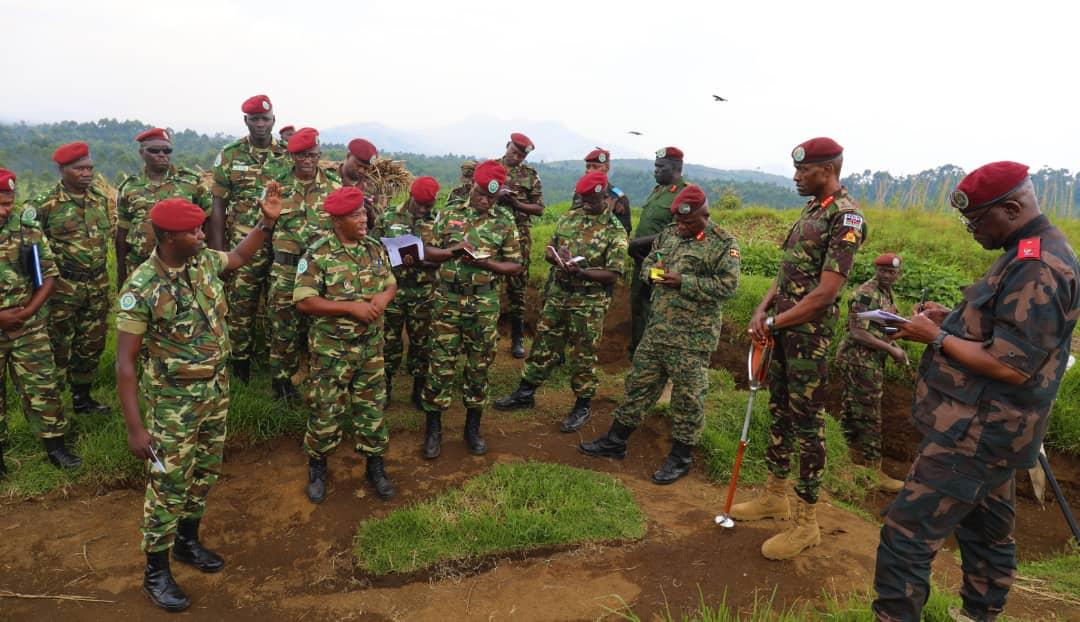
x,y
286,133
461,192
302,223
241,172
357,170
477,242
524,197
158,180
75,218
411,307
24,341
344,283
600,160
986,385
697,265
860,359
800,310
655,215
575,305
175,304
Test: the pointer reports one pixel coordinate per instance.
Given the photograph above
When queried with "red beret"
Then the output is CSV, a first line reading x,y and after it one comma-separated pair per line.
x,y
344,201
671,153
156,133
363,150
591,182
691,198
303,139
424,190
257,104
287,128
816,150
988,184
7,180
66,154
522,141
888,260
176,214
598,155
490,175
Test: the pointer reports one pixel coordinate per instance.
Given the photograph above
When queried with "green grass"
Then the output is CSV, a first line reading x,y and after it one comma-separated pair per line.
x,y
1063,430
1058,573
512,507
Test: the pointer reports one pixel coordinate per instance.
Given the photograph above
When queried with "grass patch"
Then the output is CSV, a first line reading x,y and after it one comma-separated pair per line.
x,y
1063,430
512,507
1059,573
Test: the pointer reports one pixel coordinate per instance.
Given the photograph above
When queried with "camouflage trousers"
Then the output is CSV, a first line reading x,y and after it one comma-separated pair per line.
x,y
27,357
78,312
518,283
348,391
461,325
244,289
409,310
288,327
947,494
640,306
655,363
797,380
572,321
186,423
861,404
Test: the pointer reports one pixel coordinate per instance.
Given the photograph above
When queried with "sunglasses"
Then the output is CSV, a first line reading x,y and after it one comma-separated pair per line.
x,y
159,150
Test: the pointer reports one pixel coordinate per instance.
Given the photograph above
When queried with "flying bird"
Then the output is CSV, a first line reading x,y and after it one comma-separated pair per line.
x,y
634,133
718,98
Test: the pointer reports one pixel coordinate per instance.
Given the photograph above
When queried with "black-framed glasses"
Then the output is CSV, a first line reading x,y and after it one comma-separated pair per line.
x,y
971,223
159,150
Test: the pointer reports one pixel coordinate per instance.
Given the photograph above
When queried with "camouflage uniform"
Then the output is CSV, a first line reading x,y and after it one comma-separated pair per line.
x,y
825,238
347,382
978,431
684,328
26,351
411,307
137,194
302,223
863,372
240,173
181,314
574,309
655,215
460,194
623,201
524,181
78,231
466,308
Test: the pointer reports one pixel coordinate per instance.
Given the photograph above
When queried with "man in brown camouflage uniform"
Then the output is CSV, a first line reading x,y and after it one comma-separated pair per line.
x,y
357,170
800,310
525,199
986,385
461,192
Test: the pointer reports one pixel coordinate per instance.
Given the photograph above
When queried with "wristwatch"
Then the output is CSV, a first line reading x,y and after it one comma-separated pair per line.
x,y
939,341
265,227
770,323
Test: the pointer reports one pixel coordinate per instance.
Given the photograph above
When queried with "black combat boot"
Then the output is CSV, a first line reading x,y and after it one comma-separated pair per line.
x,y
159,586
523,397
241,370
473,439
376,474
417,390
610,445
3,467
189,550
283,389
59,455
82,403
675,465
577,417
316,488
517,338
433,435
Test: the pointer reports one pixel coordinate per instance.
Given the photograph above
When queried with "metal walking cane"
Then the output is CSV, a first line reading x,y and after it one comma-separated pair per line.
x,y
1060,496
757,370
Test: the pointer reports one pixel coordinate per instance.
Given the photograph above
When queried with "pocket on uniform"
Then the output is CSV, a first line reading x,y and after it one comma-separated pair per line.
x,y
939,474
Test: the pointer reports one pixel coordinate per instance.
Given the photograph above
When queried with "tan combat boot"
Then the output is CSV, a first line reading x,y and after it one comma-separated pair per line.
x,y
772,503
801,536
886,483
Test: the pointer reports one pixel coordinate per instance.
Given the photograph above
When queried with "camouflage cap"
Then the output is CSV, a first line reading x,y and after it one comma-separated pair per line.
x,y
467,167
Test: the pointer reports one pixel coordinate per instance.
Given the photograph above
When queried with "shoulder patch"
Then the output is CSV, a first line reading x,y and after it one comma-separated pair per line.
x,y
217,160
301,266
853,220
1030,248
127,301
850,236
29,215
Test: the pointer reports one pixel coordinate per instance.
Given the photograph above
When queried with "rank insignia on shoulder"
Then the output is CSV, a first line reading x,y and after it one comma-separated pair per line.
x,y
850,236
700,236
1029,248
734,252
853,220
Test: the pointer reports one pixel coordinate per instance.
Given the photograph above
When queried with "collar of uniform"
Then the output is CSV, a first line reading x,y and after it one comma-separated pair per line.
x,y
253,149
167,271
13,222
63,195
1037,225
475,213
829,200
337,245
169,174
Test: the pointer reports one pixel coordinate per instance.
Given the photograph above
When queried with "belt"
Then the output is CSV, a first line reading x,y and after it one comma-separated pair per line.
x,y
581,289
469,290
76,274
286,259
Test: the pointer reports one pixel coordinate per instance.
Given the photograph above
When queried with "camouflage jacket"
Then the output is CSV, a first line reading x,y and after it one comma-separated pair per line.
x,y
525,182
398,221
690,317
341,273
492,232
825,238
622,200
460,193
1023,312
16,288
600,239
77,228
137,194
241,172
181,313
656,211
865,297
303,221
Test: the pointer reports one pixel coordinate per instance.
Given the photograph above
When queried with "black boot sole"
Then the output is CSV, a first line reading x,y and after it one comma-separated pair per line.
x,y
203,569
160,605
515,406
566,429
665,482
616,456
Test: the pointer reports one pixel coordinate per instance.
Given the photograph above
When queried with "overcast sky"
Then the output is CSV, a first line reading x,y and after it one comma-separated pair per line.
x,y
902,85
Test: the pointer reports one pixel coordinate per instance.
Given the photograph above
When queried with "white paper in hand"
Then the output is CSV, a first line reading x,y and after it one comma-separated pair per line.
x,y
881,317
394,247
